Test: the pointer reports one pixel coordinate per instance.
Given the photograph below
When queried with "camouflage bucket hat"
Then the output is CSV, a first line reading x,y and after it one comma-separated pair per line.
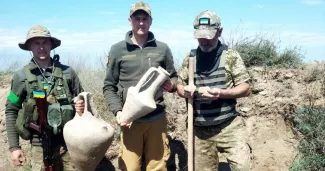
x,y
206,25
39,31
140,6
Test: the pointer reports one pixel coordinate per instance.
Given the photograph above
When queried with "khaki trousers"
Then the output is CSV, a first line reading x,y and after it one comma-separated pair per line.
x,y
148,139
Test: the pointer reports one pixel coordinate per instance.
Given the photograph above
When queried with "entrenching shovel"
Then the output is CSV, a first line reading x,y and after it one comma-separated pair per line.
x,y
190,140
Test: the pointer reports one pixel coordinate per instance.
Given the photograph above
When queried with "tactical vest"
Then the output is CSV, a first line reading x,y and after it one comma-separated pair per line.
x,y
212,112
59,108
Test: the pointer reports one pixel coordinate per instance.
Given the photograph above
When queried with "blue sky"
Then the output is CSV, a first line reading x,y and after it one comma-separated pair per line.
x,y
88,29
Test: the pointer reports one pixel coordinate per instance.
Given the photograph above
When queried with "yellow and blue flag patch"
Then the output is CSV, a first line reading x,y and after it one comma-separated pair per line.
x,y
39,94
45,86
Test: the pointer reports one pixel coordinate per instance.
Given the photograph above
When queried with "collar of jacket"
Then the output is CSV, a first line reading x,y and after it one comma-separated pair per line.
x,y
151,38
34,66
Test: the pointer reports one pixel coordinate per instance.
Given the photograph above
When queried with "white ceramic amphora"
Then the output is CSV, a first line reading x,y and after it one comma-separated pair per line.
x,y
140,99
87,137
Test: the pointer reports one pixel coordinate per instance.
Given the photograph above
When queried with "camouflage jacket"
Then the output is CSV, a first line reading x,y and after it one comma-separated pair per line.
x,y
236,72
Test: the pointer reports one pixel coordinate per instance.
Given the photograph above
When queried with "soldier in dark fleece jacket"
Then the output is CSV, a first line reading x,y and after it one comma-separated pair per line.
x,y
128,61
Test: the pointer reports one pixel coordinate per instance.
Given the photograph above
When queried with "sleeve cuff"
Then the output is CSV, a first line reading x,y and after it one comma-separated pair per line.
x,y
174,86
115,112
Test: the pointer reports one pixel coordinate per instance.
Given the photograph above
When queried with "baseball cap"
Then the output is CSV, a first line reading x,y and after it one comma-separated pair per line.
x,y
140,5
206,25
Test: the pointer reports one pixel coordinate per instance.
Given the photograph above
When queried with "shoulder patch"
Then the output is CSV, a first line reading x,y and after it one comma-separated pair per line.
x,y
14,99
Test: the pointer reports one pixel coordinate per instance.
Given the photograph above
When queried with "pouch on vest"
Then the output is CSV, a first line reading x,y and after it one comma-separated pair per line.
x,y
58,116
25,116
54,117
66,109
67,113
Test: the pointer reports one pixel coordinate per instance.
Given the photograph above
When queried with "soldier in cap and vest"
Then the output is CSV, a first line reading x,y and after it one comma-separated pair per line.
x,y
220,77
128,62
60,84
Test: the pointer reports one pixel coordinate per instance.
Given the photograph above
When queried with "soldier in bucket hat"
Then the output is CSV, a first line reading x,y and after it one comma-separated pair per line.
x,y
39,31
220,77
61,83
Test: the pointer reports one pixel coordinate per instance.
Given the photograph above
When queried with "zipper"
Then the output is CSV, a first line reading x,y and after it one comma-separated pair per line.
x,y
149,61
142,61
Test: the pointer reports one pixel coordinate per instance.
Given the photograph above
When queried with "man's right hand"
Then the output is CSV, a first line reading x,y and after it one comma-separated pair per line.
x,y
18,158
118,118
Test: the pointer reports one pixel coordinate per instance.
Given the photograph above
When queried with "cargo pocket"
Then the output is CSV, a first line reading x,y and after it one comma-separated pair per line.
x,y
22,126
25,116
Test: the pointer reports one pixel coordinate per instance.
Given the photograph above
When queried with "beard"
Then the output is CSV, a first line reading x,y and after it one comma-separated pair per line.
x,y
208,48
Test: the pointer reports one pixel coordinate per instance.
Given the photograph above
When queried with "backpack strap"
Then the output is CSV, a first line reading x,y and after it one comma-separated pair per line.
x,y
224,47
192,53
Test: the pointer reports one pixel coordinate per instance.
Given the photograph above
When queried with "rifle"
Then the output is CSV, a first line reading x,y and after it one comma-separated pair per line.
x,y
43,129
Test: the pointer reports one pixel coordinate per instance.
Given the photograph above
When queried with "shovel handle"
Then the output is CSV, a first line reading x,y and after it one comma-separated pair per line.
x,y
190,117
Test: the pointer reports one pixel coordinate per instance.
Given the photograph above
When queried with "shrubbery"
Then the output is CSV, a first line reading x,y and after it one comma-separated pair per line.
x,y
310,122
261,51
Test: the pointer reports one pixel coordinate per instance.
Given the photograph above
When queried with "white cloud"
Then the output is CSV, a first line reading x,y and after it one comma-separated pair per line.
x,y
305,38
276,32
10,37
313,2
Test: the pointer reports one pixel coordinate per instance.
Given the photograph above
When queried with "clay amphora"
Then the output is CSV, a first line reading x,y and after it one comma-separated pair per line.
x,y
87,137
140,99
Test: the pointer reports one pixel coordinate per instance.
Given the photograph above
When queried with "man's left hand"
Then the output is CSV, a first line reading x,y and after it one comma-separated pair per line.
x,y
212,94
168,85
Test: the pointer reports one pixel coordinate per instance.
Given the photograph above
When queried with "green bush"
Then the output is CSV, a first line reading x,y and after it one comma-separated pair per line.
x,y
310,122
291,57
261,51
